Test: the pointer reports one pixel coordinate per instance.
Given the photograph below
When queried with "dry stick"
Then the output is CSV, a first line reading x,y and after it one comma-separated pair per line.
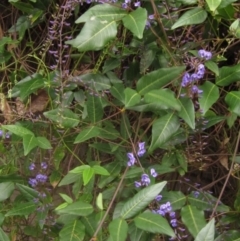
x,y
110,206
228,176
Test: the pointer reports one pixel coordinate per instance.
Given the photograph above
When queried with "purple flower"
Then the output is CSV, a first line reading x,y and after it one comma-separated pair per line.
x,y
168,207
41,178
158,198
145,179
153,172
196,90
7,135
124,5
186,80
137,4
141,149
174,223
33,182
151,16
1,133
137,184
32,166
131,158
172,214
44,165
196,194
205,54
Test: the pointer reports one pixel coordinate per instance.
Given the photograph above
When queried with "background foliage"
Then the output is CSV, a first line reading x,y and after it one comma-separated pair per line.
x,y
119,120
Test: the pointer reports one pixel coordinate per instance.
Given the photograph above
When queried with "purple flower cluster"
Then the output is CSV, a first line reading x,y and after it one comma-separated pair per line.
x,y
145,180
141,151
39,178
189,80
165,209
128,2
5,135
204,54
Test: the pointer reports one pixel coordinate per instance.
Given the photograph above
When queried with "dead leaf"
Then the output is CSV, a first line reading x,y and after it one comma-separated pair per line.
x,y
5,108
20,107
224,161
1,32
38,102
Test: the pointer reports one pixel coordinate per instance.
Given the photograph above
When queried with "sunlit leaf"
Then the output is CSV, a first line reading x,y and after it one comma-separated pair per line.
x,y
228,75
233,101
94,108
213,4
131,97
3,236
141,200
135,21
73,231
102,11
158,78
209,96
207,233
164,97
6,189
29,142
77,208
18,130
187,112
153,223
162,130
193,219
94,35
118,229
193,16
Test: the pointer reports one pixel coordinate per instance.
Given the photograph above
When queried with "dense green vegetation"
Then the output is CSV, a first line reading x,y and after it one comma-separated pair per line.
x,y
119,120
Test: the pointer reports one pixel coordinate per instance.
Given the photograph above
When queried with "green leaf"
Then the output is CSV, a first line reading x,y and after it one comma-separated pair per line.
x,y
209,96
213,4
17,130
94,108
99,201
87,174
27,192
77,208
141,200
118,229
100,170
102,11
182,160
63,116
193,16
94,35
79,169
207,233
44,143
6,189
66,198
117,91
162,130
205,201
187,112
108,133
212,66
28,85
163,97
73,231
29,142
233,101
131,97
136,22
22,209
230,235
153,223
87,133
225,3
176,198
114,169
69,178
3,236
228,75
158,78
193,219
